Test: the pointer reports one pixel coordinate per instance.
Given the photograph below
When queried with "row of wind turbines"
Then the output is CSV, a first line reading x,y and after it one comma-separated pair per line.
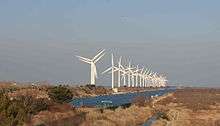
x,y
129,76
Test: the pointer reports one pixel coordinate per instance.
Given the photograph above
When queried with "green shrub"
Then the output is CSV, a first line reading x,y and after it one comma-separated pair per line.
x,y
60,94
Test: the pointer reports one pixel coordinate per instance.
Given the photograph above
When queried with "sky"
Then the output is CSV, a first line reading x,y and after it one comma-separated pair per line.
x,y
38,38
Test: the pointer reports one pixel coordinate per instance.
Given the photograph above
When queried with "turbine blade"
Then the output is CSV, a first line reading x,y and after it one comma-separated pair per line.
x,y
122,67
142,70
107,70
112,59
85,61
148,72
99,58
119,62
145,71
111,71
80,57
98,54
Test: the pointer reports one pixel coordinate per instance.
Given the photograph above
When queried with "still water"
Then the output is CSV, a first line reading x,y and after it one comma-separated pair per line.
x,y
119,99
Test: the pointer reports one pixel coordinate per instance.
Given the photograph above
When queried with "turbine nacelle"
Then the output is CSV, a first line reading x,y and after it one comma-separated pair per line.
x,y
93,62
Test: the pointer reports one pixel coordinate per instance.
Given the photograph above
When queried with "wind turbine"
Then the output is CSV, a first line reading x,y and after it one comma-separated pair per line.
x,y
119,72
147,78
151,79
141,77
136,75
124,73
132,78
154,79
113,69
144,77
162,81
124,77
129,74
93,62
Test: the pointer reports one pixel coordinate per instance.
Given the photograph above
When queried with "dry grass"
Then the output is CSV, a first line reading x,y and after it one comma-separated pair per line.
x,y
35,93
60,115
194,99
57,115
87,91
191,107
131,116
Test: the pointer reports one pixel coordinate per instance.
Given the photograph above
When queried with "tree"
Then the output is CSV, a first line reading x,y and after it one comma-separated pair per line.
x,y
60,94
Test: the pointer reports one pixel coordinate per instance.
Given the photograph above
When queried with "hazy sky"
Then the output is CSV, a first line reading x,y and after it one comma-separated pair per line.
x,y
39,38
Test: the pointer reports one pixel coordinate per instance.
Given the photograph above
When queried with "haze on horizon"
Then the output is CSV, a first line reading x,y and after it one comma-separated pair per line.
x,y
38,39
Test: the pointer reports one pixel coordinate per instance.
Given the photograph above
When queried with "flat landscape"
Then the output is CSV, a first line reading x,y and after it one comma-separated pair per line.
x,y
109,63
26,105
191,107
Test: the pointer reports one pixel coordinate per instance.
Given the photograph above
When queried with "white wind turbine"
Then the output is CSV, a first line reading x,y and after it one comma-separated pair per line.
x,y
144,77
132,78
119,72
113,69
129,74
92,62
141,77
124,73
162,81
136,76
154,79
147,78
151,79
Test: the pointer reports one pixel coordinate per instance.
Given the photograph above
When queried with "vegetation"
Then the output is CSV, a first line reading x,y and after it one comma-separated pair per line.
x,y
48,106
190,106
60,94
142,101
194,99
131,116
17,111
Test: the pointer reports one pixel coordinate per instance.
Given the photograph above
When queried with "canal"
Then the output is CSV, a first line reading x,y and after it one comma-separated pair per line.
x,y
119,99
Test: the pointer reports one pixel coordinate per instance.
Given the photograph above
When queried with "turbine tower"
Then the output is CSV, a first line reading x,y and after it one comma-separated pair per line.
x,y
136,75
111,70
141,77
123,72
119,73
93,62
129,74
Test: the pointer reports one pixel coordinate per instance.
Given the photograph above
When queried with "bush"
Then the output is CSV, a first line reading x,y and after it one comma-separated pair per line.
x,y
142,101
33,106
60,94
16,112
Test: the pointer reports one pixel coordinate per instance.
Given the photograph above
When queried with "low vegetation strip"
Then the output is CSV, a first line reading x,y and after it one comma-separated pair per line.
x,y
194,99
191,107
